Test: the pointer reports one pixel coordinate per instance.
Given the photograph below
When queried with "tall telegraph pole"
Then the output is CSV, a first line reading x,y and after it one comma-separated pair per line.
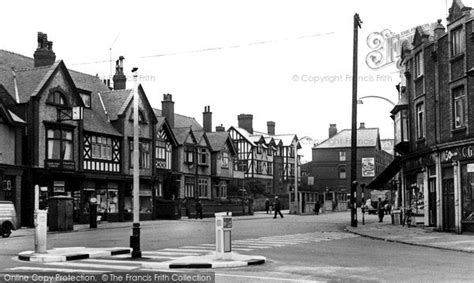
x,y
353,183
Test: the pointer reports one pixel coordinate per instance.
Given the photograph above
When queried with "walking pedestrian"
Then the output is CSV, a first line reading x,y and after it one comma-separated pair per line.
x,y
317,207
277,206
198,209
380,209
267,205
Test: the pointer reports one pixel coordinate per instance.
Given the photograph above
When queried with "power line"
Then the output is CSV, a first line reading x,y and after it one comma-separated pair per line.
x,y
215,48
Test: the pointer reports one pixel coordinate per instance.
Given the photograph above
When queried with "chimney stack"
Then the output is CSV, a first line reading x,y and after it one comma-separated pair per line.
x,y
362,125
439,30
44,55
207,119
332,130
271,128
120,81
167,109
245,122
220,128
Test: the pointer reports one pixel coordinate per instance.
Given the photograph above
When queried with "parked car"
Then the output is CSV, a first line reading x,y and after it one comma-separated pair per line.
x,y
8,220
370,207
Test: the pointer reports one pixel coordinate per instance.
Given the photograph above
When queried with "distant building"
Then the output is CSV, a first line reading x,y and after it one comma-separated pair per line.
x,y
331,165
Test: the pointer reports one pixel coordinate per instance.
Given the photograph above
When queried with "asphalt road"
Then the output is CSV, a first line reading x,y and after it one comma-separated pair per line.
x,y
298,249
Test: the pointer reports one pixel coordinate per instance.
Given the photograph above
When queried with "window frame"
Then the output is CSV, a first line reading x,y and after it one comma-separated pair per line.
x,y
418,64
420,123
342,172
61,141
457,43
461,98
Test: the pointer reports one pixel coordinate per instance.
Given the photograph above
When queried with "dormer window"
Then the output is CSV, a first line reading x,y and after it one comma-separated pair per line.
x,y
86,99
203,156
457,41
57,98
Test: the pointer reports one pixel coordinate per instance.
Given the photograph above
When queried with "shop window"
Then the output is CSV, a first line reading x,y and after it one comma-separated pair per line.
x,y
467,193
107,200
459,107
146,203
59,144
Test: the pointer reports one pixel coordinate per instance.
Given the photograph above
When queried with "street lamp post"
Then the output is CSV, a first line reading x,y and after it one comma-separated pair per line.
x,y
135,238
353,184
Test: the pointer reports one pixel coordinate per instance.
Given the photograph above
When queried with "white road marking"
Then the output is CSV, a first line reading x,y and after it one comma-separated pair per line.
x,y
92,265
65,270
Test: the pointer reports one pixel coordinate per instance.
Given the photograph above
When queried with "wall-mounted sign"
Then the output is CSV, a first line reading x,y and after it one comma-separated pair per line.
x,y
470,167
458,153
368,167
310,181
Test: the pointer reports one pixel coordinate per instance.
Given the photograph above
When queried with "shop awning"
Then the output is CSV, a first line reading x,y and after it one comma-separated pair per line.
x,y
387,174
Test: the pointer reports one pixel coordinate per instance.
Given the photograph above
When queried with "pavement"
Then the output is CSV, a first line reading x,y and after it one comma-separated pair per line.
x,y
417,236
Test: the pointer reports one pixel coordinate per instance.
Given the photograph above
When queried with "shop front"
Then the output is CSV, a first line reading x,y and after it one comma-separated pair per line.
x,y
458,188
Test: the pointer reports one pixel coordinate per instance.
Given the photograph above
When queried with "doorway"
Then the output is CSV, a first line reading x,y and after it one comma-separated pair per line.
x,y
448,199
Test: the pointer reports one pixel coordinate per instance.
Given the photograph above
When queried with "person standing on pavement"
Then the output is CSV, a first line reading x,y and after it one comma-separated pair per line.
x,y
380,209
277,206
198,209
267,205
317,207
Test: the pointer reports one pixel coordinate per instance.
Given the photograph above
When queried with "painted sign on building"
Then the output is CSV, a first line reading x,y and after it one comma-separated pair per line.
x,y
368,167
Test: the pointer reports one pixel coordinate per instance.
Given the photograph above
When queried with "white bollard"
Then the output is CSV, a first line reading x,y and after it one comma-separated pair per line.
x,y
41,228
223,235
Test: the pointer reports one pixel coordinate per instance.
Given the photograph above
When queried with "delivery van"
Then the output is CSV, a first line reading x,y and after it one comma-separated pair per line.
x,y
8,220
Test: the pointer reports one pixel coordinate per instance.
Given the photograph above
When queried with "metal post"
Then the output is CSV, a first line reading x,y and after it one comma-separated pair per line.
x,y
40,225
296,180
135,238
353,183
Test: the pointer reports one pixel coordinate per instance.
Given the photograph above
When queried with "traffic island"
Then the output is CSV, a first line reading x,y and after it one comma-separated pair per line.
x,y
207,261
72,253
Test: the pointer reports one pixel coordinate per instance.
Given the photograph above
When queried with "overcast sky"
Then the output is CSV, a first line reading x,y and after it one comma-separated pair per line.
x,y
284,61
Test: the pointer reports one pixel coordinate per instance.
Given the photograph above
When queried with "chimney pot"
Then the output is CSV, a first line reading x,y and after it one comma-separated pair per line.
x,y
220,128
44,55
207,119
120,81
271,128
332,130
362,125
167,109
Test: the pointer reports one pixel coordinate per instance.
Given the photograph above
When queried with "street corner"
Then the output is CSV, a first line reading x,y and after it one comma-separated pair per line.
x,y
71,253
207,261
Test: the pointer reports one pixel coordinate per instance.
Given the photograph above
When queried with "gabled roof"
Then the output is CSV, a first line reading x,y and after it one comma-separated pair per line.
x,y
246,135
218,141
456,10
181,134
162,123
29,79
368,137
201,135
181,121
10,117
116,101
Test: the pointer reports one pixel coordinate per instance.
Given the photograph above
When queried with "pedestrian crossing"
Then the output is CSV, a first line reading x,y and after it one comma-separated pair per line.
x,y
125,263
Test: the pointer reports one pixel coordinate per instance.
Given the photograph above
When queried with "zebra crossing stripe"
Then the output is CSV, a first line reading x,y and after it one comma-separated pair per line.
x,y
253,243
209,247
187,250
65,270
113,261
165,253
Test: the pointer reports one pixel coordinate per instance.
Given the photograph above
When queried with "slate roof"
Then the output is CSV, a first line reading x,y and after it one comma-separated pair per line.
x,y
217,140
116,101
181,121
30,78
181,134
368,137
28,81
245,134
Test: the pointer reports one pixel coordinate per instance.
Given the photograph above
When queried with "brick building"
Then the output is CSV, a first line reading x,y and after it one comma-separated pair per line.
x,y
331,164
434,123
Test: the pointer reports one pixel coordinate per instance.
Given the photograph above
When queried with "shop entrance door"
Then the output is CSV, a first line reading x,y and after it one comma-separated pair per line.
x,y
448,204
432,201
